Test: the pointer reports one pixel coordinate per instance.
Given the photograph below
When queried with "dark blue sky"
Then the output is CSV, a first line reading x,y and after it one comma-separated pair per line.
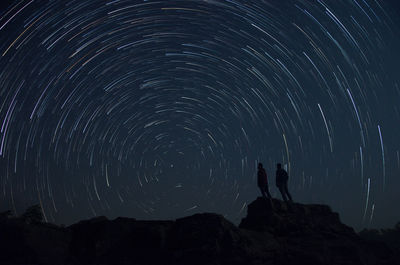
x,y
160,109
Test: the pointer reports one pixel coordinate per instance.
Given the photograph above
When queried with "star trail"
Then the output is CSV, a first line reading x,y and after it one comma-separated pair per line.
x,y
160,109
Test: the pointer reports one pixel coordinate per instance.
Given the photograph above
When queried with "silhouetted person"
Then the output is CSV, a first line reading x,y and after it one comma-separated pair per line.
x,y
281,182
262,181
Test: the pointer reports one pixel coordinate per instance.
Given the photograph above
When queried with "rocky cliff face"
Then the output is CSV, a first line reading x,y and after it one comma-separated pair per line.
x,y
273,232
310,234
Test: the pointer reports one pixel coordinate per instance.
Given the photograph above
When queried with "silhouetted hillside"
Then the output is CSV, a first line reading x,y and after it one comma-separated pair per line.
x,y
391,237
273,232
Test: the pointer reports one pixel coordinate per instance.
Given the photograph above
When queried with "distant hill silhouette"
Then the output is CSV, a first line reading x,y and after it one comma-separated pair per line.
x,y
273,232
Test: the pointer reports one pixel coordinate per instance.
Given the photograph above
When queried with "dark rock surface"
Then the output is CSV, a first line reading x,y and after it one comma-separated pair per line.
x,y
311,234
273,232
390,237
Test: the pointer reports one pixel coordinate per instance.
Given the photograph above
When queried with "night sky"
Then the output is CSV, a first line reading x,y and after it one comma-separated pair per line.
x,y
162,109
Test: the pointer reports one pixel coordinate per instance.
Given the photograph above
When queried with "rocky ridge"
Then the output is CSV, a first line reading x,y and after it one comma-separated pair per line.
x,y
273,232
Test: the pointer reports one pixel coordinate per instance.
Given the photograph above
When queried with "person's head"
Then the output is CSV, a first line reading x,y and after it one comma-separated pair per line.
x,y
278,166
260,165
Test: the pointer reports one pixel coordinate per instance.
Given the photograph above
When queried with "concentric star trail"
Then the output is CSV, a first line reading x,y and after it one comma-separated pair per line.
x,y
158,109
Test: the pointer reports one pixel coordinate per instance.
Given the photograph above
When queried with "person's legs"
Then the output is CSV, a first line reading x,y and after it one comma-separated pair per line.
x,y
267,192
287,192
263,192
281,189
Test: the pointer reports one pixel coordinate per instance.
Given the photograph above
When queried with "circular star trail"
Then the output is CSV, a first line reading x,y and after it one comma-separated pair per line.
x,y
160,109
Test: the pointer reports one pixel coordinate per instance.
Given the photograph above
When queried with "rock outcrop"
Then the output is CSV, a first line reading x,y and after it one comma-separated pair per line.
x,y
273,232
310,234
390,237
